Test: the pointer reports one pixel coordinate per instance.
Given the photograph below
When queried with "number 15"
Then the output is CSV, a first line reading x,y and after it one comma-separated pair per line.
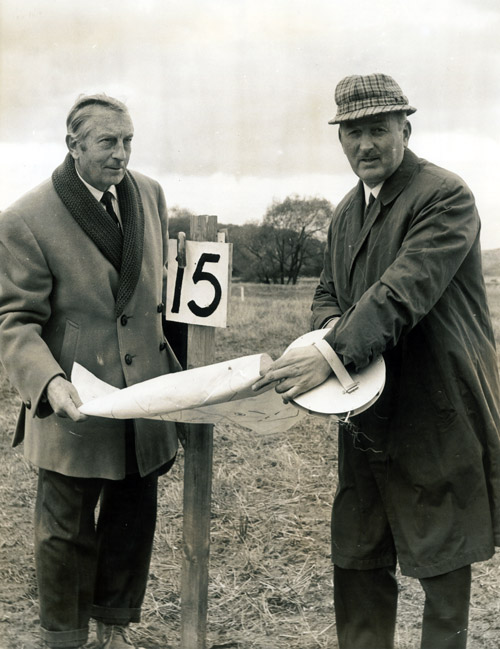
x,y
199,275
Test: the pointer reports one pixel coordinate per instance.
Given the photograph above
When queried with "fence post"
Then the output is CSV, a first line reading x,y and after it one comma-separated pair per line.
x,y
198,452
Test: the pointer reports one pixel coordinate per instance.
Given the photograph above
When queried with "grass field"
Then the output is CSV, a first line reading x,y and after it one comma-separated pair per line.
x,y
270,571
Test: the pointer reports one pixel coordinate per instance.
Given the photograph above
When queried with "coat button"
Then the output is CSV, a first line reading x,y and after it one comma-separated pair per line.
x,y
128,359
163,345
28,404
124,320
159,308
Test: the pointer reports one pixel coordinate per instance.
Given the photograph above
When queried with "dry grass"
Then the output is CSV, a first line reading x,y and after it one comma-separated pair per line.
x,y
270,571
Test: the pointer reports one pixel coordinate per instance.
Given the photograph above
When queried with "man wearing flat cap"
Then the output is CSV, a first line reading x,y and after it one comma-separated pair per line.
x,y
419,471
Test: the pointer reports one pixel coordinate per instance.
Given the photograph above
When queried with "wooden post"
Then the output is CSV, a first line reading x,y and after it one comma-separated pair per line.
x,y
198,453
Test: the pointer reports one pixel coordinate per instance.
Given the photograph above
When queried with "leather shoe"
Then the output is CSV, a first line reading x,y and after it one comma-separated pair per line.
x,y
114,636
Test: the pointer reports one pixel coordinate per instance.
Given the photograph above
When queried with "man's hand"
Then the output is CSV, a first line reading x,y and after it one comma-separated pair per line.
x,y
64,399
297,371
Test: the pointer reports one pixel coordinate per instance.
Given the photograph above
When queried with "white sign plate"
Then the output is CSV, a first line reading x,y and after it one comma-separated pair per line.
x,y
197,294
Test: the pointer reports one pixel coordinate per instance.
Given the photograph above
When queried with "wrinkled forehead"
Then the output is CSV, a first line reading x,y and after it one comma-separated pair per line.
x,y
107,120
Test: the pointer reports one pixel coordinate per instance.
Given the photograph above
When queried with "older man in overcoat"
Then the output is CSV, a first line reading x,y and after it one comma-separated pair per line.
x,y
419,471
82,269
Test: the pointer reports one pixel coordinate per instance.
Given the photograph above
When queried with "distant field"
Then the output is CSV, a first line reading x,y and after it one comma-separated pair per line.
x,y
493,289
270,573
491,263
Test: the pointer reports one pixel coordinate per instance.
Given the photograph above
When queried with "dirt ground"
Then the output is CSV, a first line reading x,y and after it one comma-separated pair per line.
x,y
270,572
270,569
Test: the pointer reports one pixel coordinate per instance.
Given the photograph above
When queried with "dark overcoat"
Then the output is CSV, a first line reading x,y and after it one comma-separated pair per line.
x,y
57,306
407,283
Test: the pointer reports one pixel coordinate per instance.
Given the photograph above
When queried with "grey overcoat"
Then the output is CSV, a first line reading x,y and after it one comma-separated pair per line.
x,y
57,306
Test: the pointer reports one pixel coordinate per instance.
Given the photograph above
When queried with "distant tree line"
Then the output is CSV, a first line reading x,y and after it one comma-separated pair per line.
x,y
287,244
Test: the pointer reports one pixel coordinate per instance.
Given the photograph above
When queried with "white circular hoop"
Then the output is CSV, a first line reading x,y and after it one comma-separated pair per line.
x,y
330,398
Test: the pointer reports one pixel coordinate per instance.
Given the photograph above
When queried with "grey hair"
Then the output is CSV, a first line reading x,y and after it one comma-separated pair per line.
x,y
82,109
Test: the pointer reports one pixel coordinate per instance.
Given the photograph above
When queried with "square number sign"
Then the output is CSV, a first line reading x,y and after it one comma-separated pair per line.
x,y
198,293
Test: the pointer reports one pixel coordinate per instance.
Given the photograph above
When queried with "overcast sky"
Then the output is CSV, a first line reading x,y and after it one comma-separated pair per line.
x,y
230,98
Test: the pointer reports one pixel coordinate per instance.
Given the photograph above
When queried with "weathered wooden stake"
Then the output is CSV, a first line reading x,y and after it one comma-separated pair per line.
x,y
198,453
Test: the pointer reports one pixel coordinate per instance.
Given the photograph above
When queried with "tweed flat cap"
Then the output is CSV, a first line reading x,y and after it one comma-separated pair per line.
x,y
357,96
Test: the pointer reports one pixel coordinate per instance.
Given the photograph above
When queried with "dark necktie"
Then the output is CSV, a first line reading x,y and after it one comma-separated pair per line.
x,y
368,207
107,201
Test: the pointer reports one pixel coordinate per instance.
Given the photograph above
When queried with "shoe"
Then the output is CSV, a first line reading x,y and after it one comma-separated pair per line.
x,y
113,636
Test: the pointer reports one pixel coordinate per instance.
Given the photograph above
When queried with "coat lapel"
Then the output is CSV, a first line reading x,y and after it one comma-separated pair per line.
x,y
391,188
132,212
359,236
354,223
123,251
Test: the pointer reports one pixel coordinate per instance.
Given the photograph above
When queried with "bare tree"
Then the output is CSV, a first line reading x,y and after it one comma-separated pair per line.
x,y
293,226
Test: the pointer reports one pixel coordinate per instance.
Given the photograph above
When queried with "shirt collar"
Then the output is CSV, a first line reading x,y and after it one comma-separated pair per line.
x,y
97,193
372,190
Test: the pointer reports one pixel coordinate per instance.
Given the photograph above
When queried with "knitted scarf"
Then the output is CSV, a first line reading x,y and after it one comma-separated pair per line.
x,y
125,250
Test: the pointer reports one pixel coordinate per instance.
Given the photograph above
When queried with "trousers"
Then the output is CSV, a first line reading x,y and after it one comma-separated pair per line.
x,y
366,604
86,567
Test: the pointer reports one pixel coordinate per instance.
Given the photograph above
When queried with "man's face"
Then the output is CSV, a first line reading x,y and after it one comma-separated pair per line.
x,y
102,156
374,145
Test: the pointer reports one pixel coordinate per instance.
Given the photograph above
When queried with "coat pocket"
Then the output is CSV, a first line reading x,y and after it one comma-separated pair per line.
x,y
18,435
69,346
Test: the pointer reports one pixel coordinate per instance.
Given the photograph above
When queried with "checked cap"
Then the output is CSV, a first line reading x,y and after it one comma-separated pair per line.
x,y
357,96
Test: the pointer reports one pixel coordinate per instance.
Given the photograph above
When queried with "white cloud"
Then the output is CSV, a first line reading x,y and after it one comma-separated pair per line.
x,y
231,99
246,198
